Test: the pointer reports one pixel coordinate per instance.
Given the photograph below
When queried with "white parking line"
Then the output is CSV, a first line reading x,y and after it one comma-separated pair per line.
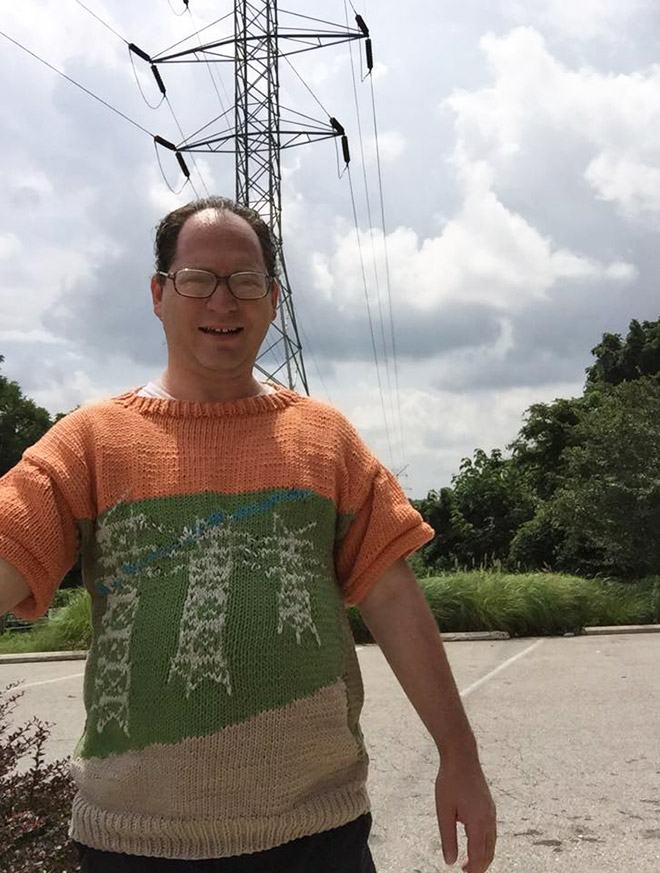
x,y
499,669
48,681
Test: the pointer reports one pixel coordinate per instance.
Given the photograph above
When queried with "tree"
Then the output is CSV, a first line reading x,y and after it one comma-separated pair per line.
x,y
22,423
492,499
548,430
609,502
476,519
537,543
438,509
618,361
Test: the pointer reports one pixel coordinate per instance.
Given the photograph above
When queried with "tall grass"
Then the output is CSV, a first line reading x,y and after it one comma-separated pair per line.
x,y
68,630
531,604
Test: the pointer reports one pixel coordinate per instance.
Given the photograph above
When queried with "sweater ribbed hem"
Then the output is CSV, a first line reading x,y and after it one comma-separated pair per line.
x,y
200,840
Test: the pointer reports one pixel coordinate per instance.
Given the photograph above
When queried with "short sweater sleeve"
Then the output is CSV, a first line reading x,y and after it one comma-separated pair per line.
x,y
377,524
42,499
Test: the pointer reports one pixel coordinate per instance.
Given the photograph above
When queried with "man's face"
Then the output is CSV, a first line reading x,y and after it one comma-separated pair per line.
x,y
222,243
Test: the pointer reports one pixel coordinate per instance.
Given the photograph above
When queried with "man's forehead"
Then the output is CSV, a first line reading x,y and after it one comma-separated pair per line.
x,y
213,219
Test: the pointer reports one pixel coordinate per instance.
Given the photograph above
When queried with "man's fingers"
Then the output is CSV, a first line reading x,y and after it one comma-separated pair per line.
x,y
480,848
447,823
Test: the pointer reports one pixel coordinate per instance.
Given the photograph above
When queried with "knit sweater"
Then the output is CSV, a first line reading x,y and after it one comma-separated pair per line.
x,y
221,543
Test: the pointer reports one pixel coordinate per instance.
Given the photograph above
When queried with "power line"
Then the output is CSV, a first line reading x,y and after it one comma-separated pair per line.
x,y
100,100
162,172
371,327
104,23
387,268
77,84
370,222
316,365
137,82
176,121
307,313
306,86
178,14
208,65
186,38
144,96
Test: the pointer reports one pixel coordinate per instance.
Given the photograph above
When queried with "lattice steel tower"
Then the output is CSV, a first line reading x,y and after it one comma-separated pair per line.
x,y
261,129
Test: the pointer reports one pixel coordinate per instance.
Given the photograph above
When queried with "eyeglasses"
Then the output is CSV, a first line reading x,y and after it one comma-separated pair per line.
x,y
246,285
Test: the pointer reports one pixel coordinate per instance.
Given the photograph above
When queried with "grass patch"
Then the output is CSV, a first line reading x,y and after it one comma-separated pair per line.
x,y
70,629
531,604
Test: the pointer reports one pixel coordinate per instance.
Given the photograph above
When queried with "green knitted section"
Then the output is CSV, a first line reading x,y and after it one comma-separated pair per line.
x,y
207,610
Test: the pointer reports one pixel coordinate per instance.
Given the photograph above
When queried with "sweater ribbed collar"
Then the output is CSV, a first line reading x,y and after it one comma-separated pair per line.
x,y
245,406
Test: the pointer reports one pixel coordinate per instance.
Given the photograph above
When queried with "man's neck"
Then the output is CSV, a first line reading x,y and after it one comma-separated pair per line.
x,y
209,391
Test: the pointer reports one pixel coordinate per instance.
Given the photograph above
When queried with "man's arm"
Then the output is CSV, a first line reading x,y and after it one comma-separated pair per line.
x,y
13,587
400,620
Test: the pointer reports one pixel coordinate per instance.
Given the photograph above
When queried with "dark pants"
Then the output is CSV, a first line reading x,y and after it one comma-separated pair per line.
x,y
340,850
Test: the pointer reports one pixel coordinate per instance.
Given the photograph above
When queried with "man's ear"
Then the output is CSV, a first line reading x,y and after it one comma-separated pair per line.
x,y
274,297
157,295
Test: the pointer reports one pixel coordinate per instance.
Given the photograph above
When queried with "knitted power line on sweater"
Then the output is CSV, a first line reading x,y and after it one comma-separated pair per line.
x,y
220,543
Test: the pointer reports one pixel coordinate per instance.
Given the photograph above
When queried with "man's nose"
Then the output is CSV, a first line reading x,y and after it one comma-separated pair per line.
x,y
222,298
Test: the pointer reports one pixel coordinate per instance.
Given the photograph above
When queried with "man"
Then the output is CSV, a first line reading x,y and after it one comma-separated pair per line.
x,y
224,526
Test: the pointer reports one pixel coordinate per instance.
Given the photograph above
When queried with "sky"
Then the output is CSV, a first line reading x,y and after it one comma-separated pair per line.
x,y
519,145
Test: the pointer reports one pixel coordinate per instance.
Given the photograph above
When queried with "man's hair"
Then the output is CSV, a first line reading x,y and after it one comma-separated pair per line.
x,y
167,232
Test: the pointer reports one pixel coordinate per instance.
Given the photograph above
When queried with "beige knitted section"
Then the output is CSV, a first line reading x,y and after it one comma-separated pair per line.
x,y
285,774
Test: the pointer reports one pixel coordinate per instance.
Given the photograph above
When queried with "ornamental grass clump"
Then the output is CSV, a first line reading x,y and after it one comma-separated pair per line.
x,y
70,629
35,798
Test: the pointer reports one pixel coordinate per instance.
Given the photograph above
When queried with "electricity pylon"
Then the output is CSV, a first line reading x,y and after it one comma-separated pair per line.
x,y
261,129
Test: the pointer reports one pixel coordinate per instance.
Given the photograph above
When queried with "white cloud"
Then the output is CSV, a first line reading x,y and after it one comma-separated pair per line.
x,y
35,335
58,38
486,254
630,183
615,116
10,245
577,19
379,71
440,427
391,145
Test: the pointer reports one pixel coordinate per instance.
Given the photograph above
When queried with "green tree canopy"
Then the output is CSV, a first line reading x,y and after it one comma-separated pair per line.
x,y
537,451
624,361
609,502
438,509
22,423
476,519
492,499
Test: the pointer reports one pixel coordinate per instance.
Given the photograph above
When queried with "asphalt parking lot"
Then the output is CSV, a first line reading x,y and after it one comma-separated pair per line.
x,y
569,734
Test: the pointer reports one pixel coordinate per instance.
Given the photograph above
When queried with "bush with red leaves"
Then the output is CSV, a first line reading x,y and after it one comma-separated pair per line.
x,y
35,804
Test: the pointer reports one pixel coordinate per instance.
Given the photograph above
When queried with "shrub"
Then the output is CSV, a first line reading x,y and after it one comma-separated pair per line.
x,y
35,801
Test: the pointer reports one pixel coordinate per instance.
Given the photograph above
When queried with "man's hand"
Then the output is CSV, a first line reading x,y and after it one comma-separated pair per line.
x,y
462,794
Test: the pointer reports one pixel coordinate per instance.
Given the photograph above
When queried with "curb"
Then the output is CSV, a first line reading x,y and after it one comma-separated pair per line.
x,y
36,657
474,635
623,629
